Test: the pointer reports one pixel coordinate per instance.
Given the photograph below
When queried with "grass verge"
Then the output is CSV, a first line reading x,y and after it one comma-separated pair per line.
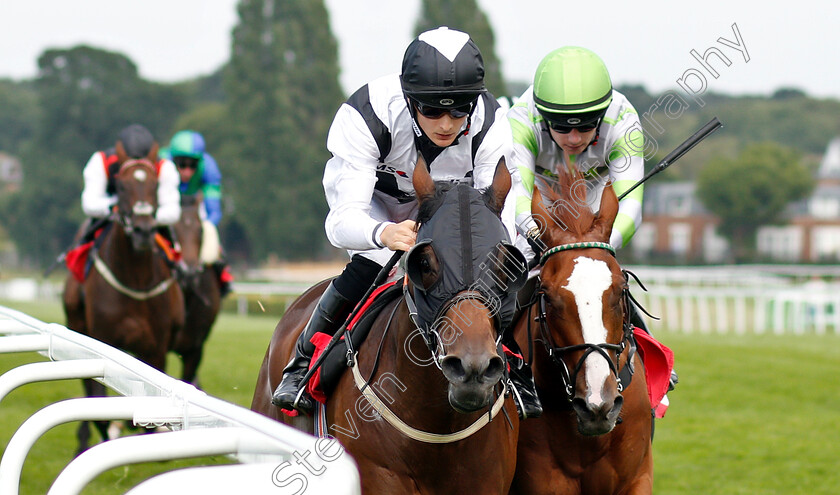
x,y
751,414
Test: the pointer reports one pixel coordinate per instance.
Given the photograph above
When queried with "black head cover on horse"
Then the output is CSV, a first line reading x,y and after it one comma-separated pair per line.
x,y
464,234
467,247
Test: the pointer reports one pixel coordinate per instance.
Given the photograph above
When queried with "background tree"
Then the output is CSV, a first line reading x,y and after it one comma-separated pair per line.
x,y
466,16
85,95
283,91
753,190
19,113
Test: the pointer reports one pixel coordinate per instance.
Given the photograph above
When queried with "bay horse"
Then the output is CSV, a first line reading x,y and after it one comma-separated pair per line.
x,y
200,285
432,385
129,299
594,436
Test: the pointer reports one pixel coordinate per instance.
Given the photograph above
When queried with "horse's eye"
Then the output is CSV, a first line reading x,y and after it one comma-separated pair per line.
x,y
425,266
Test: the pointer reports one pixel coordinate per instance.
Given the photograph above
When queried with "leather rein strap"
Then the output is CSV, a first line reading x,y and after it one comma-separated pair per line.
x,y
414,433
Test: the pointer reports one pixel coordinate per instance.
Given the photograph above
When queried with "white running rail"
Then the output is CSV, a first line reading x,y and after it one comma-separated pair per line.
x,y
270,455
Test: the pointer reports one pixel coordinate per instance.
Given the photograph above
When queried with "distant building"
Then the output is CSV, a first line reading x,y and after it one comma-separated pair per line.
x,y
813,231
677,227
11,173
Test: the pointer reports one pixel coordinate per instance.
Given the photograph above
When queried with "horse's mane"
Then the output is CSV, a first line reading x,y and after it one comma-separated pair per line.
x,y
565,198
430,205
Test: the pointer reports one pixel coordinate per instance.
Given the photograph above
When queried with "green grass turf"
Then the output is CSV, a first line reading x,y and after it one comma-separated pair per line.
x,y
752,414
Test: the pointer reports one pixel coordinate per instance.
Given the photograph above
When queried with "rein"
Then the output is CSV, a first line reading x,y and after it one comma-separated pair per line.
x,y
143,208
422,436
624,375
109,277
429,336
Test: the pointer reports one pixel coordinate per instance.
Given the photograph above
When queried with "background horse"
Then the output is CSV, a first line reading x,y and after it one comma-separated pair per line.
x,y
594,436
129,299
200,285
400,368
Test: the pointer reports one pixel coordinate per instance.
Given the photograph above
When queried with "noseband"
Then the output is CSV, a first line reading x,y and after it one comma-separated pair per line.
x,y
622,376
434,340
139,208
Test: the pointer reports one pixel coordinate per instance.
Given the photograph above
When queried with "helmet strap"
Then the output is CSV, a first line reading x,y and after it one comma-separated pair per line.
x,y
597,135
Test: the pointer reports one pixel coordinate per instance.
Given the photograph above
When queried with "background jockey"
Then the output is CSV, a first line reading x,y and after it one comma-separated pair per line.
x,y
572,117
198,170
99,194
199,174
437,107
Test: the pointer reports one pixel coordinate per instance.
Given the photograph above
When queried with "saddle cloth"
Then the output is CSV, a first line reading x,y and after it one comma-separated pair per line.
x,y
326,377
78,260
659,362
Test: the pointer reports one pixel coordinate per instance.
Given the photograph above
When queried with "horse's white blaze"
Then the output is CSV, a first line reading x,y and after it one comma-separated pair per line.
x,y
588,281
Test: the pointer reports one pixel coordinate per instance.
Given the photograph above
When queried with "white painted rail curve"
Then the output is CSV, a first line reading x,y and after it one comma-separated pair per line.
x,y
267,453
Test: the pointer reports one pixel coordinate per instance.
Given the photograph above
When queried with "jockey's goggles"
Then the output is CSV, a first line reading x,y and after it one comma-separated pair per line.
x,y
185,162
435,113
565,129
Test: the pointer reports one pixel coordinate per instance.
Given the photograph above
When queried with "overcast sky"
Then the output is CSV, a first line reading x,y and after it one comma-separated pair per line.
x,y
644,41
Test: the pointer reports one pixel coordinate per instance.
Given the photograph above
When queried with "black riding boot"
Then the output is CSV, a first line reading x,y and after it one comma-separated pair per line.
x,y
636,319
331,311
524,389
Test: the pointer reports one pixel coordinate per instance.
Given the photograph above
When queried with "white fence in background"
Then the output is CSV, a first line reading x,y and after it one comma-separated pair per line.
x,y
737,298
268,453
741,300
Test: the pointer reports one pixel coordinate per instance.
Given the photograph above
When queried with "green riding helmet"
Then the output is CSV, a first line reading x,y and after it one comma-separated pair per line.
x,y
572,87
187,143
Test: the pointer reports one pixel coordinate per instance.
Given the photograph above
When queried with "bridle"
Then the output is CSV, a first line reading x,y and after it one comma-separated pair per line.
x,y
125,220
431,336
624,375
141,208
190,273
434,342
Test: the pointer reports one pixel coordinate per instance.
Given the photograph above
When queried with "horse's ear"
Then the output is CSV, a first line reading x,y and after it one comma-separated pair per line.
x,y
501,184
153,153
122,156
538,210
424,186
606,213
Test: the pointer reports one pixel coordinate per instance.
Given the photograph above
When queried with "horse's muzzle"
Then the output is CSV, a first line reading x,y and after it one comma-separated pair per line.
x,y
471,380
598,419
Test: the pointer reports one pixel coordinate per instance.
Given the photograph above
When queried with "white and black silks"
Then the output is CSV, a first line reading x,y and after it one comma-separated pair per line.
x,y
463,252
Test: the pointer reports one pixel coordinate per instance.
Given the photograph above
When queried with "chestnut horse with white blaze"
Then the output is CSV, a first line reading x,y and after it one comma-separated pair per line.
x,y
594,436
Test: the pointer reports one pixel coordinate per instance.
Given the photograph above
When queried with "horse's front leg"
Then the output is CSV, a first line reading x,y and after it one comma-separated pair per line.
x,y
92,389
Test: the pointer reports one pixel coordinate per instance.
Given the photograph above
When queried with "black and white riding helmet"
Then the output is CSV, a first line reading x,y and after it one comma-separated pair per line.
x,y
443,68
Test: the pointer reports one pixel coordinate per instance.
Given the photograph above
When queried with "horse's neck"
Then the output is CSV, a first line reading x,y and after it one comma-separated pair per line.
x,y
124,261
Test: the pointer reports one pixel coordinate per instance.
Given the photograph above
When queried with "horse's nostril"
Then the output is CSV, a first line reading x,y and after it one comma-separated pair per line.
x,y
453,369
580,406
494,369
617,403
